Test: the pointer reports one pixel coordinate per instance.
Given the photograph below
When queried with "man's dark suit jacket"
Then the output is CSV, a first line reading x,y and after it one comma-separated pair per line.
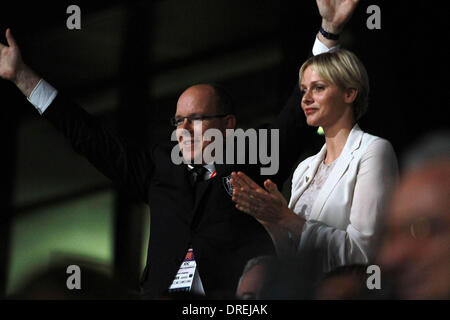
x,y
204,217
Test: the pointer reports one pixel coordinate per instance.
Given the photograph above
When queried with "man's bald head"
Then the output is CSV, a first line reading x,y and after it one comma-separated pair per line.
x,y
210,97
202,100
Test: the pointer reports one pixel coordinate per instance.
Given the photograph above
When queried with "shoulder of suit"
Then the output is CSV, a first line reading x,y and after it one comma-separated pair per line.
x,y
163,147
161,152
371,141
373,145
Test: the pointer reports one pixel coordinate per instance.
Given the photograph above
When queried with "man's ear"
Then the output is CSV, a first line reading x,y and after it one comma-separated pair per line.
x,y
350,95
230,121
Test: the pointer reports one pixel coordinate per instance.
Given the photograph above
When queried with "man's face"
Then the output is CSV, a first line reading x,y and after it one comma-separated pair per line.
x,y
198,100
415,249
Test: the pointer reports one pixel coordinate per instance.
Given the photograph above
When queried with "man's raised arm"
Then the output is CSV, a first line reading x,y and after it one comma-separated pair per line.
x,y
335,14
14,69
127,166
291,121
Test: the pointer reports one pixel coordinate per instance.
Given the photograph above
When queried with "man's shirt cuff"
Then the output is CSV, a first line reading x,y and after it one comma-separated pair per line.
x,y
319,47
42,96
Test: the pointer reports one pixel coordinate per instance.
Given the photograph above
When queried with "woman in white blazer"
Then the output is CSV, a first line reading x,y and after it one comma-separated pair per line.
x,y
338,194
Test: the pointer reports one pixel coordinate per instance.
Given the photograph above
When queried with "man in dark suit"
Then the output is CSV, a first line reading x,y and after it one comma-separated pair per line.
x,y
190,205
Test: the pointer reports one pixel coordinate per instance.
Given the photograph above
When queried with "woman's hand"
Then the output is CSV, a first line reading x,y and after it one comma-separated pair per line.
x,y
270,208
267,205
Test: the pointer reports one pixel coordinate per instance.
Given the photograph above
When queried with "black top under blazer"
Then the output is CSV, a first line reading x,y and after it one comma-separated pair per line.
x,y
205,217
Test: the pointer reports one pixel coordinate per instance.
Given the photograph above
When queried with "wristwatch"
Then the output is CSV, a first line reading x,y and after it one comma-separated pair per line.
x,y
329,35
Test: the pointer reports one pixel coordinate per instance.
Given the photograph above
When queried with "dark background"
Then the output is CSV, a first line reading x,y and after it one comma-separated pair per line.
x,y
129,63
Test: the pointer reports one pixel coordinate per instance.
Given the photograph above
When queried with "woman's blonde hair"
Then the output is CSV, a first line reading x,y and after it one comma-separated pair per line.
x,y
343,69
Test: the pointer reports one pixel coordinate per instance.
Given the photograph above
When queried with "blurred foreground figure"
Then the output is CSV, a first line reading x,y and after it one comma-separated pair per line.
x,y
415,251
286,278
254,277
344,283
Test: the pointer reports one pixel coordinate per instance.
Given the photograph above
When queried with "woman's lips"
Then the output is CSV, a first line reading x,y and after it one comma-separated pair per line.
x,y
309,111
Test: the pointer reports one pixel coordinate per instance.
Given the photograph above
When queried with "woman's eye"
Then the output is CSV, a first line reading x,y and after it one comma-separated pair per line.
x,y
319,88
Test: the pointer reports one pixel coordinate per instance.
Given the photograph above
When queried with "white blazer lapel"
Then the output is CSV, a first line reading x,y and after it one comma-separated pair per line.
x,y
304,180
353,142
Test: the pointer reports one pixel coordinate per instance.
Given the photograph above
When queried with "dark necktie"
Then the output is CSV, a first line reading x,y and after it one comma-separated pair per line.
x,y
197,173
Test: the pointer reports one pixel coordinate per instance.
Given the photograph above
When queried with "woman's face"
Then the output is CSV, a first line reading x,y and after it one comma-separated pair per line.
x,y
324,103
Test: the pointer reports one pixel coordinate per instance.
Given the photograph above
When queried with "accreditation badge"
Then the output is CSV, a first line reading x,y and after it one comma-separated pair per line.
x,y
185,275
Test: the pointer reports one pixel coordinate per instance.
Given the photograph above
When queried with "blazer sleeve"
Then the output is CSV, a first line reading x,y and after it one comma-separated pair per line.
x,y
128,167
375,180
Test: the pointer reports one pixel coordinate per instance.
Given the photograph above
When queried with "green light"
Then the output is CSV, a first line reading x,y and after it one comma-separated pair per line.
x,y
320,131
80,228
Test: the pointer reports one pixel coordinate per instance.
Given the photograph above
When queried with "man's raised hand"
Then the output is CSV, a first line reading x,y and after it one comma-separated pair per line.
x,y
14,69
10,58
336,13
